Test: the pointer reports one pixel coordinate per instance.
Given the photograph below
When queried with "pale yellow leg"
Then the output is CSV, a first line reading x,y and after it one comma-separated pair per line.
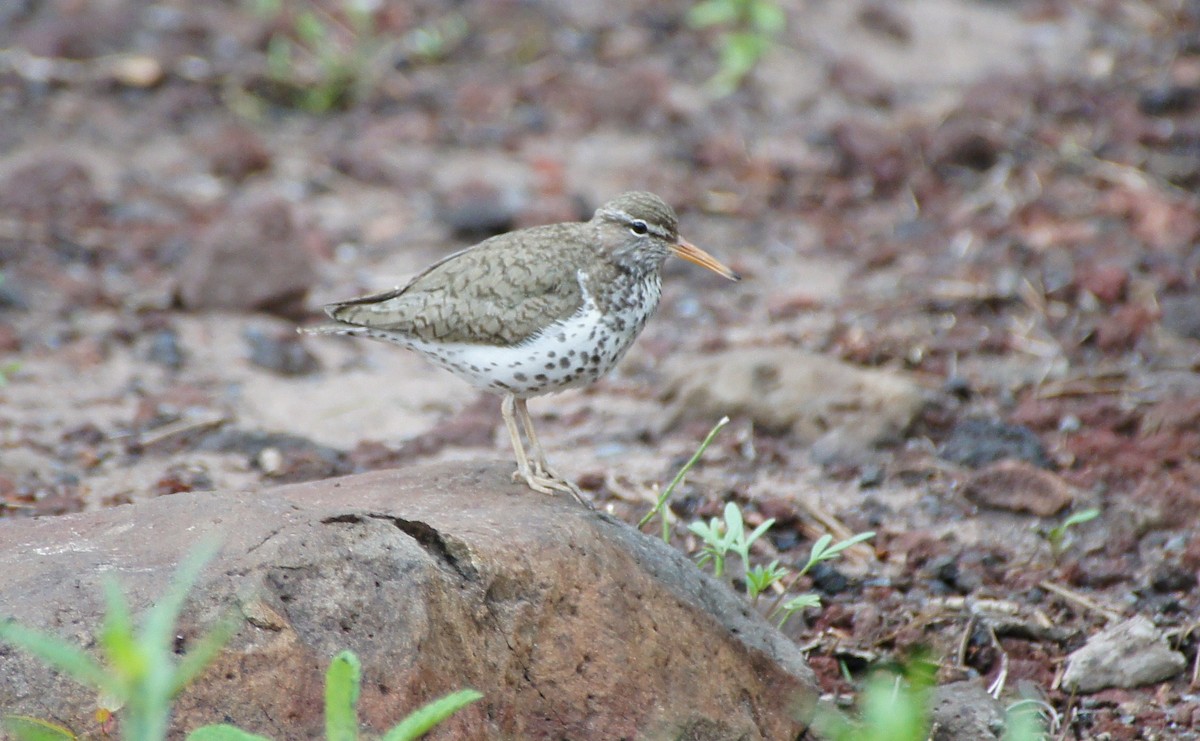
x,y
538,475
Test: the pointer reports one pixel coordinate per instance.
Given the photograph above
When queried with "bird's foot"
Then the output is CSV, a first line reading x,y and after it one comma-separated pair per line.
x,y
545,482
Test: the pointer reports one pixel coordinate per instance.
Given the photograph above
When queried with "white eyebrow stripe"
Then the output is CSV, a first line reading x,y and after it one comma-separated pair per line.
x,y
625,218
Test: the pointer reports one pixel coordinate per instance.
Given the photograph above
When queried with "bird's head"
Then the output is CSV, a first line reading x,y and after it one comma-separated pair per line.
x,y
639,230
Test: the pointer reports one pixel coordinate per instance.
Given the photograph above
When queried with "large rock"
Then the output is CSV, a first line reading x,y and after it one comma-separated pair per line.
x,y
841,410
571,623
1132,653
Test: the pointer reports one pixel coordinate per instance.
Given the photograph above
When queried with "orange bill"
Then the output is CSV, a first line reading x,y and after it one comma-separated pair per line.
x,y
694,254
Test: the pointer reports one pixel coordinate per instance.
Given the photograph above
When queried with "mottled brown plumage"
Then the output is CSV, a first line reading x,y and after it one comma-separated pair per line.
x,y
533,311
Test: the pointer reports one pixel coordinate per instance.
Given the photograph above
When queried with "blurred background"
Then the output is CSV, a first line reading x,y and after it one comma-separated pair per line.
x,y
968,230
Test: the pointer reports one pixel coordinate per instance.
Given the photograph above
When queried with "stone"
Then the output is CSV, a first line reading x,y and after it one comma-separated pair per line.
x,y
253,258
1128,654
1018,486
571,623
964,711
976,442
842,410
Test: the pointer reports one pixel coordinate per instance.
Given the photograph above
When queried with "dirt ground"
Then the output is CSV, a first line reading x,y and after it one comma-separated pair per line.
x,y
996,200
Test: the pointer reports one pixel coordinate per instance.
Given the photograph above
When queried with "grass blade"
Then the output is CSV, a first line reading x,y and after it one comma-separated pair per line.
x,y
342,682
422,720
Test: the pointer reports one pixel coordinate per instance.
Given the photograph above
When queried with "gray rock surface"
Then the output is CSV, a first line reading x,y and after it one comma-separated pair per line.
x,y
441,577
1128,654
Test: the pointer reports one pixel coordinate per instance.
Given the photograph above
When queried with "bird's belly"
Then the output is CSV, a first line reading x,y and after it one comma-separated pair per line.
x,y
574,352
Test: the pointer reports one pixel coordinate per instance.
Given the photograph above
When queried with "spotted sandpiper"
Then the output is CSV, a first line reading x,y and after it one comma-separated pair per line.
x,y
534,311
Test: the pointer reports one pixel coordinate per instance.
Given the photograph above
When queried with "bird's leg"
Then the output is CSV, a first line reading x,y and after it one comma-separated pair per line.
x,y
540,465
523,471
541,468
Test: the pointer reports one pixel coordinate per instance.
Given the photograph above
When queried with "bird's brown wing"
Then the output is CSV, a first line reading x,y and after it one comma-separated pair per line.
x,y
501,291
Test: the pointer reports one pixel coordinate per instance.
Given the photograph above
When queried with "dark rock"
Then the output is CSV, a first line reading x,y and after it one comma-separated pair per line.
x,y
1181,314
964,711
1017,486
251,259
1161,101
828,579
969,143
164,349
475,209
572,624
281,352
1169,577
977,442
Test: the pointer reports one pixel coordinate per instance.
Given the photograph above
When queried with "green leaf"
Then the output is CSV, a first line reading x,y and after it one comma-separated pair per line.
x,y
60,654
309,28
125,657
223,732
767,17
25,728
279,58
424,719
735,527
342,682
158,630
1081,517
834,550
758,531
712,13
203,652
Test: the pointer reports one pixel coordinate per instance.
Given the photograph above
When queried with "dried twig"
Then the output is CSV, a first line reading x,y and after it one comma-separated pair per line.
x,y
1072,596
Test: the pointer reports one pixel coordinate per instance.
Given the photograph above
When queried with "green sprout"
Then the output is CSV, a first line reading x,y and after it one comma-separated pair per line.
x,y
1057,535
749,29
659,507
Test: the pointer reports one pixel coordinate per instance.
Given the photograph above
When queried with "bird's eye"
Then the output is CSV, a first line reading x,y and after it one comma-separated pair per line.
x,y
639,227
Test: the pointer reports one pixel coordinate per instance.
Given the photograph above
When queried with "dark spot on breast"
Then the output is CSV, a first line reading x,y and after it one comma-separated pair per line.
x,y
520,377
564,362
551,354
580,369
549,366
540,377
503,385
595,358
562,336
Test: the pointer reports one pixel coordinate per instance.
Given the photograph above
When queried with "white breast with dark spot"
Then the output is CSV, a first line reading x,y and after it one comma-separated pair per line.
x,y
570,353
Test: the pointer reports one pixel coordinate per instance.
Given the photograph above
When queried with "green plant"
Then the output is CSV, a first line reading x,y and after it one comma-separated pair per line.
x,y
749,28
721,537
141,674
8,369
894,706
343,681
325,55
1023,721
822,550
661,503
1057,535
